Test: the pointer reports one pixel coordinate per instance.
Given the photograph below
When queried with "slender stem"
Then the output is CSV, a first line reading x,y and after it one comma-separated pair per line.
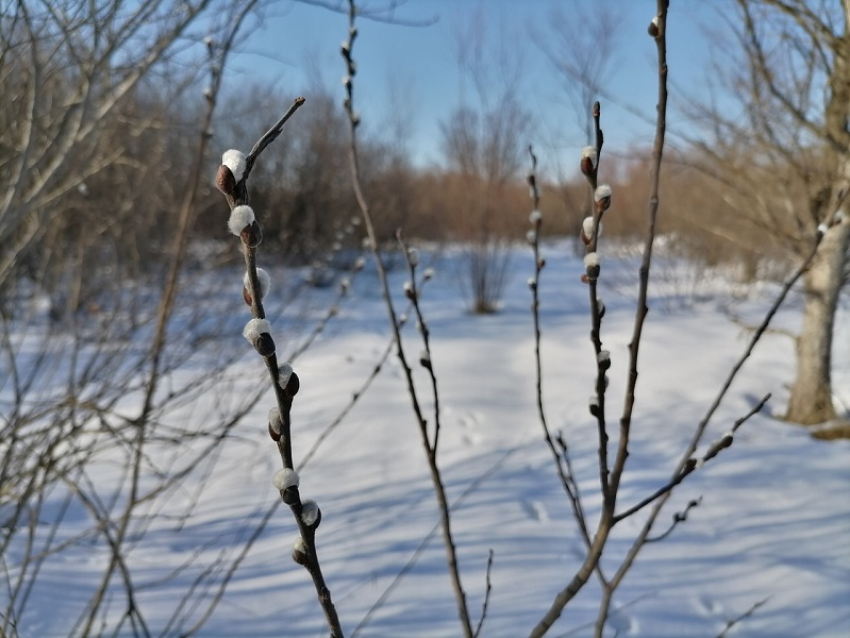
x,y
642,309
562,457
428,444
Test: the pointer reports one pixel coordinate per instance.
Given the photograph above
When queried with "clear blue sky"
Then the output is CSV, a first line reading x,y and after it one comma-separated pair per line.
x,y
298,41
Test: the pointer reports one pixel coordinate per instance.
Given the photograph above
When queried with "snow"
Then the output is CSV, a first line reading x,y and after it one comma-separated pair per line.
x,y
773,523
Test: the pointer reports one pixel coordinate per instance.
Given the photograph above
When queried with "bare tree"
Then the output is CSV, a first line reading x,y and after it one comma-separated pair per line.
x,y
482,142
67,65
68,413
580,47
783,160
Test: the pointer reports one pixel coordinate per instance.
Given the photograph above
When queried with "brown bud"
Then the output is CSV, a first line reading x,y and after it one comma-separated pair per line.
x,y
289,495
264,344
587,167
292,385
274,435
299,557
653,29
246,296
252,235
224,180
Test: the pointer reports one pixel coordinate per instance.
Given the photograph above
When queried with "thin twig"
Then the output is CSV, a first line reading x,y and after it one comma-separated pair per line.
x,y
270,136
562,458
427,442
689,468
285,389
355,397
678,517
425,541
747,614
487,590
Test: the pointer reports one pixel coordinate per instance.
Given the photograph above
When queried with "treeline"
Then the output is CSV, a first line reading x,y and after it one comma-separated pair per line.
x,y
116,224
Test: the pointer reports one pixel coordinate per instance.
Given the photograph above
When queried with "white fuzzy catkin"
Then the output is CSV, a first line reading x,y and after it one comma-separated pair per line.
x,y
602,191
428,274
263,279
587,227
413,257
535,217
603,356
254,328
589,152
240,218
283,373
591,259
309,512
286,478
235,161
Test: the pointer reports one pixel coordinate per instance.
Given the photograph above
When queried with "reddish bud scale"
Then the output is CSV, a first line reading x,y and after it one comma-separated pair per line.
x,y
252,235
275,436
653,30
292,386
224,180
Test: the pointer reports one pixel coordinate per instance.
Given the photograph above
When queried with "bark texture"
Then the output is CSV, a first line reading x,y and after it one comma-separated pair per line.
x,y
811,394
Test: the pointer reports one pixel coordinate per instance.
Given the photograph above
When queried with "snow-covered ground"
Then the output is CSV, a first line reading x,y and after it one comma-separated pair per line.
x,y
773,524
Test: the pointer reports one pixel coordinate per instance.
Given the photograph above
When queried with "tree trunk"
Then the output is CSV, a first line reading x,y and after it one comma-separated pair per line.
x,y
811,395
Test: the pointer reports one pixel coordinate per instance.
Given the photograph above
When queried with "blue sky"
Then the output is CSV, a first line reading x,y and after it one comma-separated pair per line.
x,y
414,70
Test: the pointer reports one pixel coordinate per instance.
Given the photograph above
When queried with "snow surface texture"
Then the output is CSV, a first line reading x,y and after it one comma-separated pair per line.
x,y
774,522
